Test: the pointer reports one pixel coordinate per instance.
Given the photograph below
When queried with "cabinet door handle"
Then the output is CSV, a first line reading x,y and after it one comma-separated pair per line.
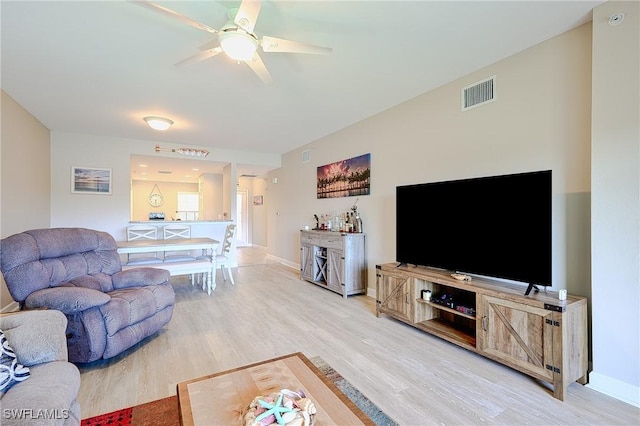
x,y
406,298
484,322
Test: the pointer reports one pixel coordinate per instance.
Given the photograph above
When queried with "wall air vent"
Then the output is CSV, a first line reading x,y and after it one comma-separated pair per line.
x,y
248,176
479,93
165,172
306,156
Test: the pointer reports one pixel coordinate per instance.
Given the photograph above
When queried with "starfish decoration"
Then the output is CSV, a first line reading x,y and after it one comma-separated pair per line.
x,y
274,409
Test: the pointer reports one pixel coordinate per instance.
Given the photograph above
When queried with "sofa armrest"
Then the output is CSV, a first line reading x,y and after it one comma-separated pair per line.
x,y
140,277
36,336
69,300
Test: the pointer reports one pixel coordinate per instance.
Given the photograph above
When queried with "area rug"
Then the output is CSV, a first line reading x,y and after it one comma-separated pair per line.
x,y
361,401
162,412
165,412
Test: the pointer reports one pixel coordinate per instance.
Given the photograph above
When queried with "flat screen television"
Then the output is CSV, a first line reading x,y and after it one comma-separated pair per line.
x,y
496,226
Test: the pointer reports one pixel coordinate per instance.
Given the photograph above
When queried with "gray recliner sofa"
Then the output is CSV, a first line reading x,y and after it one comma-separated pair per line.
x,y
49,395
78,271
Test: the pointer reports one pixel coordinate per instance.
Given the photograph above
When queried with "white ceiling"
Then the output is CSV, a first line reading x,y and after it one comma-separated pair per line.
x,y
98,67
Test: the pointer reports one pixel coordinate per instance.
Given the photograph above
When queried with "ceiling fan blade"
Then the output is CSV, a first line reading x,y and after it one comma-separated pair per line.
x,y
248,15
173,14
260,69
210,44
200,56
272,44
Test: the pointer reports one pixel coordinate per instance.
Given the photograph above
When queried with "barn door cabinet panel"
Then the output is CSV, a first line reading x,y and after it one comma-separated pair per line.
x,y
517,335
538,335
394,295
334,260
306,262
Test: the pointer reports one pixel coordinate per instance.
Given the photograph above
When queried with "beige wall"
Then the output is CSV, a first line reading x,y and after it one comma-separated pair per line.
x,y
210,186
540,120
108,213
25,175
616,202
169,190
111,213
259,232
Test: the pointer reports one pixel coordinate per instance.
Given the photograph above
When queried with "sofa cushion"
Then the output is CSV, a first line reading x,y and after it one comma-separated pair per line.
x,y
138,277
131,335
43,258
11,371
37,336
131,305
69,300
52,385
98,281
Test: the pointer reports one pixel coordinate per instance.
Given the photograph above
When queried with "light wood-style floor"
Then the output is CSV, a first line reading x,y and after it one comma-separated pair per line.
x,y
415,378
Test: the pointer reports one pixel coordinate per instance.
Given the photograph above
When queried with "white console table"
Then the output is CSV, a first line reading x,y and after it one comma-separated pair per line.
x,y
204,266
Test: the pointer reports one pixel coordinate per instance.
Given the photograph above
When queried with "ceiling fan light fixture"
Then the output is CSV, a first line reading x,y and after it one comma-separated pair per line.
x,y
158,123
238,46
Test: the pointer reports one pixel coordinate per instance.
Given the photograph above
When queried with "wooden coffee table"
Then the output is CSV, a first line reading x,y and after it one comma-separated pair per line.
x,y
221,398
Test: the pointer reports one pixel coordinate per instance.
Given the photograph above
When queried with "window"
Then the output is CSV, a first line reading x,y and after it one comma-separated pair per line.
x,y
188,206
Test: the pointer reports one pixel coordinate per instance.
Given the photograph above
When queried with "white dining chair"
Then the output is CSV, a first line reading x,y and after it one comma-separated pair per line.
x,y
142,232
175,231
178,231
222,260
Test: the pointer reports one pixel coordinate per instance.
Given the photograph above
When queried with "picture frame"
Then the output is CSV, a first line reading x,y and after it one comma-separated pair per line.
x,y
258,200
346,178
90,180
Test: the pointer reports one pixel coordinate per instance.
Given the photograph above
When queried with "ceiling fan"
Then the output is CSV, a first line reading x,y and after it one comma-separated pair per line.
x,y
237,39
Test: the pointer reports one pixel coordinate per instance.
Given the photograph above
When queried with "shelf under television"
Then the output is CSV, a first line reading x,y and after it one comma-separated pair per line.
x,y
446,309
449,331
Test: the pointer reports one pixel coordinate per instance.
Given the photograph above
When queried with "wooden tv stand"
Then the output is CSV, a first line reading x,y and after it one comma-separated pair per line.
x,y
538,335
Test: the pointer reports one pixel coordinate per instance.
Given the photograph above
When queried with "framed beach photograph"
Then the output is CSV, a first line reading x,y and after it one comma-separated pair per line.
x,y
90,180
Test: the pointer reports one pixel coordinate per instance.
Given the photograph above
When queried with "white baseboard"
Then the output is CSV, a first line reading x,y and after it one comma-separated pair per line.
x,y
614,388
11,307
285,262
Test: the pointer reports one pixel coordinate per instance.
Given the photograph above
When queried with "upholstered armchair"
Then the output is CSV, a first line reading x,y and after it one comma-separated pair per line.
x,y
48,396
78,271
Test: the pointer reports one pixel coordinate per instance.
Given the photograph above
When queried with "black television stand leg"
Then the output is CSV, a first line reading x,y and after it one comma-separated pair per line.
x,y
531,286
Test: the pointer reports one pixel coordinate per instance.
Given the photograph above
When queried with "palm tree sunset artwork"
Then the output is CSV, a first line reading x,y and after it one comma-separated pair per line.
x,y
346,178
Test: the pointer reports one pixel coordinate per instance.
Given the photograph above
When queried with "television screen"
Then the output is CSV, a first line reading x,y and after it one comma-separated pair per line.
x,y
498,226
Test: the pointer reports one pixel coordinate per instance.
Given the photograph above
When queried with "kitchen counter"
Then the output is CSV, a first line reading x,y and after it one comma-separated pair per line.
x,y
188,222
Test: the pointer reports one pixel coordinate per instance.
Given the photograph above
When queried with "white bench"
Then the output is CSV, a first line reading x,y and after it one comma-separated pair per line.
x,y
192,266
201,266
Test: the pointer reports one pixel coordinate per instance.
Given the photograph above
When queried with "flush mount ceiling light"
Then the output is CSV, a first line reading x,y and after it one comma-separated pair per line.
x,y
191,152
158,123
